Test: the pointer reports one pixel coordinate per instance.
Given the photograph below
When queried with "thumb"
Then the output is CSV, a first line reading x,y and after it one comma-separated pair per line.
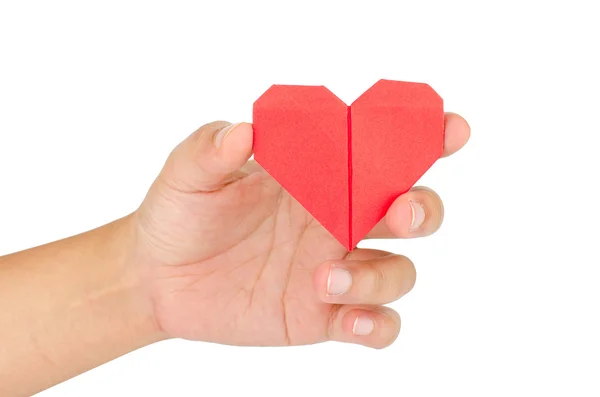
x,y
207,160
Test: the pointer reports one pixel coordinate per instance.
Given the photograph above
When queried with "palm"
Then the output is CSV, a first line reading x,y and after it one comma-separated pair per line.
x,y
250,279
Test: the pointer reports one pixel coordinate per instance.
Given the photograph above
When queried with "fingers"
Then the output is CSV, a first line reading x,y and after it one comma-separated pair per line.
x,y
355,286
374,280
375,327
456,135
417,213
210,158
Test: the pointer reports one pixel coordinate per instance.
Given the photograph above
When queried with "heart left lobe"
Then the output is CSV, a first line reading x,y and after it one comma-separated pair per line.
x,y
301,139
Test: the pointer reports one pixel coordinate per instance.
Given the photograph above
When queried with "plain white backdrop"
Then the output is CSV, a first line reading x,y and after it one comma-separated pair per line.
x,y
94,95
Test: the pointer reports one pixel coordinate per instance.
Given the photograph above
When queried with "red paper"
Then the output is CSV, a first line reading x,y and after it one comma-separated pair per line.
x,y
347,164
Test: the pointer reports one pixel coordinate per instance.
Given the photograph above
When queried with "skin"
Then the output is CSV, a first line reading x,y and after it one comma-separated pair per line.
x,y
217,252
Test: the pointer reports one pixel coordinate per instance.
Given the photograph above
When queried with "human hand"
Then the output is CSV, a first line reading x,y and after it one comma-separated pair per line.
x,y
226,255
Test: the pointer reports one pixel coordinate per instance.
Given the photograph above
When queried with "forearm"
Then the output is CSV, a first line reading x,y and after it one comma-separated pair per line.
x,y
67,307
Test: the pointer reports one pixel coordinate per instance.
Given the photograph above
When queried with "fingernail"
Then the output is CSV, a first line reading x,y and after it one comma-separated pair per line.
x,y
339,281
222,134
363,325
418,215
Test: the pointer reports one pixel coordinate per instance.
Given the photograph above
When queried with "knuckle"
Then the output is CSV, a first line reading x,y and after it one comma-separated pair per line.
x,y
212,126
377,279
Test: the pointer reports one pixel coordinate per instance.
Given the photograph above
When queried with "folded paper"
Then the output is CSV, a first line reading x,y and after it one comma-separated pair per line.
x,y
346,164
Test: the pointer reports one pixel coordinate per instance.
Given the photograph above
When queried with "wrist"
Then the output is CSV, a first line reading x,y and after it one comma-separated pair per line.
x,y
126,287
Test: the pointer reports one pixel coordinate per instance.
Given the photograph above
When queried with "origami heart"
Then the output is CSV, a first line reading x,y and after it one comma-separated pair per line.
x,y
347,164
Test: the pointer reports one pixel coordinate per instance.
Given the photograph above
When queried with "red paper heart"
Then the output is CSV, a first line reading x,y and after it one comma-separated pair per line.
x,y
347,164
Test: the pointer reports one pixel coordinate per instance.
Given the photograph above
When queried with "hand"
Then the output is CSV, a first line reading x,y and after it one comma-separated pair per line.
x,y
227,256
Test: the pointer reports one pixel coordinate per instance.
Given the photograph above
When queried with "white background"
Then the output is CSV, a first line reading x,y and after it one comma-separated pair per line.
x,y
93,98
